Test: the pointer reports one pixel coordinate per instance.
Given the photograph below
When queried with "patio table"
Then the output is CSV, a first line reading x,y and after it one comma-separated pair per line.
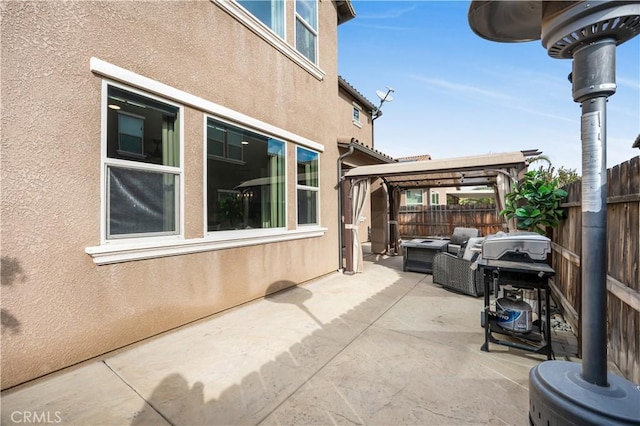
x,y
419,253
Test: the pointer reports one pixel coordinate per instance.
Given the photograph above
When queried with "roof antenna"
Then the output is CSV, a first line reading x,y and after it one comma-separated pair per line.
x,y
384,97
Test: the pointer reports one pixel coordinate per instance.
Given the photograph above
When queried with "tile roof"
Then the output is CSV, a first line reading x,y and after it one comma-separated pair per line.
x,y
423,157
355,93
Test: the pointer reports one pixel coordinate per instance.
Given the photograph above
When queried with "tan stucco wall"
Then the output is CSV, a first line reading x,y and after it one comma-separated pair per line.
x,y
346,128
61,307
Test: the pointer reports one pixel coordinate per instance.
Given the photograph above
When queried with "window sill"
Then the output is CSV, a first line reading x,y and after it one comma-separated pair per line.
x,y
125,252
357,124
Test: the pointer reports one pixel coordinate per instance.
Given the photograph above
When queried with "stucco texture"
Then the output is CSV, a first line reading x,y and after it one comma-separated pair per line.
x,y
60,308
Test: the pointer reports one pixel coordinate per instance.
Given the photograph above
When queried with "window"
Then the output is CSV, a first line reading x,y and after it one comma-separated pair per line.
x,y
435,198
308,188
356,116
142,166
307,28
245,194
414,196
269,12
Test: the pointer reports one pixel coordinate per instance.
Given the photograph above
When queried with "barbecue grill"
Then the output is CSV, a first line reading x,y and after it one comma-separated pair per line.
x,y
519,260
516,247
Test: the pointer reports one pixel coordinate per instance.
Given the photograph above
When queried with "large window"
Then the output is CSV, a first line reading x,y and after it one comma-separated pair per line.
x,y
142,166
245,179
307,28
308,186
269,12
414,197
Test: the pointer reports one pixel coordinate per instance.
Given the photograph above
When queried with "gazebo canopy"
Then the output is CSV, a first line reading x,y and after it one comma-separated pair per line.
x,y
448,172
499,171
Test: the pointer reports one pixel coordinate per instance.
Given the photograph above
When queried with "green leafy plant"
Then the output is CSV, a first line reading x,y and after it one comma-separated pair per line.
x,y
535,202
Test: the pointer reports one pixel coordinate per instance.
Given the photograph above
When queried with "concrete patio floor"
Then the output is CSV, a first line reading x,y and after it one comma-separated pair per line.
x,y
384,347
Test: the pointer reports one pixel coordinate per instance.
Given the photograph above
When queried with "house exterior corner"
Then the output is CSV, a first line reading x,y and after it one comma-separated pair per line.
x,y
161,162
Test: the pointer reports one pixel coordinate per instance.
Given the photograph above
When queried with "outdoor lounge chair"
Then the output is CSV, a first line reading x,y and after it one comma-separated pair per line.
x,y
459,237
460,273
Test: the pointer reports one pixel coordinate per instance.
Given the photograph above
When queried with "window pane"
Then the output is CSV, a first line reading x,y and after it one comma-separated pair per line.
x,y
307,11
269,12
250,193
234,147
307,207
215,141
141,129
307,167
414,196
305,41
356,114
141,202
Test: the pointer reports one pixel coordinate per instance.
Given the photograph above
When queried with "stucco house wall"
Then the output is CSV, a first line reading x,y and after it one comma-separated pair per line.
x,y
363,130
59,307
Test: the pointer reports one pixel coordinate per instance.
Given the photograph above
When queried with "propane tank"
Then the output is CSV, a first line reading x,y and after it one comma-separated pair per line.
x,y
513,313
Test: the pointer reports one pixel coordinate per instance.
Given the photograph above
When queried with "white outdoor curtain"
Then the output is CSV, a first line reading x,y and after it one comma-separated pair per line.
x,y
504,186
397,194
359,191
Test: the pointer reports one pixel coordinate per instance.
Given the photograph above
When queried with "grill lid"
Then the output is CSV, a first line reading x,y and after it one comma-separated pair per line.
x,y
502,245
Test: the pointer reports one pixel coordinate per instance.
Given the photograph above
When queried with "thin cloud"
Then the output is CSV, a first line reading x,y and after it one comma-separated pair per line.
x,y
463,89
544,114
634,84
387,14
388,27
504,100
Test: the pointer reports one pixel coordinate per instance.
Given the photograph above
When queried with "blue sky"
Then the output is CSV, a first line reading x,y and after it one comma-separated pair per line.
x,y
457,94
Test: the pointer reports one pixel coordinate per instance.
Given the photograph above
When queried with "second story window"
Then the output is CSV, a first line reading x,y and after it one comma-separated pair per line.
x,y
307,28
269,12
356,116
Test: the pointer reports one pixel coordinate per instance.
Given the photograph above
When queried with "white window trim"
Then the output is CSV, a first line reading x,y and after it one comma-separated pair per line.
x,y
152,247
132,79
264,32
316,189
104,255
240,233
106,161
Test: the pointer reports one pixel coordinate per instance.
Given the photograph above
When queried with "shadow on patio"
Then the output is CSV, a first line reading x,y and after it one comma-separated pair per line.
x,y
381,347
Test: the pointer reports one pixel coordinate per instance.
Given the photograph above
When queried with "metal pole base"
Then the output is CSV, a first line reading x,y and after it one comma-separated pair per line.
x,y
558,395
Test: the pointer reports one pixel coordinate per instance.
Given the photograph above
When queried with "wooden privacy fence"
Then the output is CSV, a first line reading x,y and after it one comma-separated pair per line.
x,y
623,264
422,221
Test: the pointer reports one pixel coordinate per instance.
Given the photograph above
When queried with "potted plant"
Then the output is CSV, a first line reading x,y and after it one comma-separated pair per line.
x,y
535,202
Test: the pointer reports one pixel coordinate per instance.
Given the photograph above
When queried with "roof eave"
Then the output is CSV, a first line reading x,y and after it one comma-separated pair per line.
x,y
346,12
373,153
